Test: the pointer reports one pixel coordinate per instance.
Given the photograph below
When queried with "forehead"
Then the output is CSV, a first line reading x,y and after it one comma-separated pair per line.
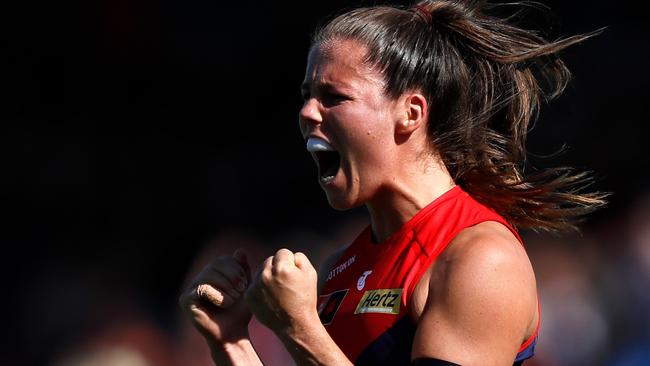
x,y
340,62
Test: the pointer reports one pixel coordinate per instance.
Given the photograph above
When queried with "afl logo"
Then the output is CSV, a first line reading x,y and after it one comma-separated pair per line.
x,y
361,283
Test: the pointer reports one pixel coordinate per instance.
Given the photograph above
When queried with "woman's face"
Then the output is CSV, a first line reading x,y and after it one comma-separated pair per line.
x,y
346,108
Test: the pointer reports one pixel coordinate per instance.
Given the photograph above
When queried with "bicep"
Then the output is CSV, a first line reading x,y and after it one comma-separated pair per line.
x,y
477,311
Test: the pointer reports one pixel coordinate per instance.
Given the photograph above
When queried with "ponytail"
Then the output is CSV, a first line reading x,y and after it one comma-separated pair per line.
x,y
484,79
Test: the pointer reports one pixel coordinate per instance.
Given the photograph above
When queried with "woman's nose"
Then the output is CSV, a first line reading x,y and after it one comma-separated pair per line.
x,y
309,113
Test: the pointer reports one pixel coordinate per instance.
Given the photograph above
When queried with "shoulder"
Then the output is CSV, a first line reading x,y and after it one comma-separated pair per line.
x,y
481,295
485,246
485,262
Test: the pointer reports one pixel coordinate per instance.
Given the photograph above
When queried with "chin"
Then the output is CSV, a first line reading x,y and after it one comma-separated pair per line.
x,y
341,202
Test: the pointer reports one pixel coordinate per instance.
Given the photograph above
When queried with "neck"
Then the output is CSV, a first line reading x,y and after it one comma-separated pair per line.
x,y
410,189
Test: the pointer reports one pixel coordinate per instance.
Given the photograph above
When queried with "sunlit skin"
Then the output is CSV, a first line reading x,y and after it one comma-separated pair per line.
x,y
474,306
386,161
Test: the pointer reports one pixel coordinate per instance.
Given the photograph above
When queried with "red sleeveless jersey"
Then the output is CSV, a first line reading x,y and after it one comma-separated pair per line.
x,y
365,300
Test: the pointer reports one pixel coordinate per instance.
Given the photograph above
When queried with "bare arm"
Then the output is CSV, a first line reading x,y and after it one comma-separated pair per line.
x,y
482,301
283,296
214,304
214,286
237,353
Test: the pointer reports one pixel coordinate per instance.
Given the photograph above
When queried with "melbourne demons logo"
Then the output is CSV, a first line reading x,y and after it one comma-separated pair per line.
x,y
329,304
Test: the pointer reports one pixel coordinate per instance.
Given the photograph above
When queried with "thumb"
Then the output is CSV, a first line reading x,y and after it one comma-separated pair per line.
x,y
242,259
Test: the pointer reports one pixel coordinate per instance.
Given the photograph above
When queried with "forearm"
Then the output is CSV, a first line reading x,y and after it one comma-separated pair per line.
x,y
239,353
310,344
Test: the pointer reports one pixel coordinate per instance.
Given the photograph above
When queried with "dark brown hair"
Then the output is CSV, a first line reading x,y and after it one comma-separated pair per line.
x,y
484,79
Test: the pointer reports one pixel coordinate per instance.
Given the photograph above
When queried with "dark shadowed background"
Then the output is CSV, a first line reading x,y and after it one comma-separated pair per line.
x,y
136,133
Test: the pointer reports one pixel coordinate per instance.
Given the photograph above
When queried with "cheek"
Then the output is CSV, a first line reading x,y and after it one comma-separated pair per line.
x,y
362,128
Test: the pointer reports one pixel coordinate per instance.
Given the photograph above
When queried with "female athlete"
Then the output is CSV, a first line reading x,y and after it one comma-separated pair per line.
x,y
420,114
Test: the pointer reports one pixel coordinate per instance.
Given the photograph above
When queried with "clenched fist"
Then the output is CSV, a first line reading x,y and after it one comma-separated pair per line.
x,y
283,292
214,300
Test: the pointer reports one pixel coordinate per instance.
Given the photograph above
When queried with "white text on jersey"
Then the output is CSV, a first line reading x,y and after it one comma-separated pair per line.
x,y
340,268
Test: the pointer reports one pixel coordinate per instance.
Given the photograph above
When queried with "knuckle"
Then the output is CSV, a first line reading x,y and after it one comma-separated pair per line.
x,y
266,277
282,269
312,272
283,251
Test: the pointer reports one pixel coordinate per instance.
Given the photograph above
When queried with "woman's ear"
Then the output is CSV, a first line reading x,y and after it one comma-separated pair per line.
x,y
414,114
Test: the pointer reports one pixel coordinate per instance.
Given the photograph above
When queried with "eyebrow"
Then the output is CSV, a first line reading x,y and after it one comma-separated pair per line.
x,y
323,85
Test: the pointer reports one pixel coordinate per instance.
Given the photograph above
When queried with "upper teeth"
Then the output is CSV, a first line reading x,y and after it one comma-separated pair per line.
x,y
318,144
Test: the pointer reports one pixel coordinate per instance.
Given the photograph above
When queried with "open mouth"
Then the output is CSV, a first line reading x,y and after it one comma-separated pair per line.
x,y
327,159
328,165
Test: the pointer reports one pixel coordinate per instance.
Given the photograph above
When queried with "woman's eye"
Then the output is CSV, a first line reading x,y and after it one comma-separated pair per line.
x,y
333,98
